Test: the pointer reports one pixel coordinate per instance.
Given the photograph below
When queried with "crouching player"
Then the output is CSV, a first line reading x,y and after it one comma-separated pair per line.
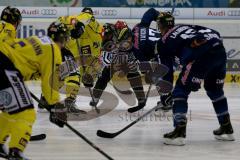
x,y
203,57
20,60
85,43
71,76
117,56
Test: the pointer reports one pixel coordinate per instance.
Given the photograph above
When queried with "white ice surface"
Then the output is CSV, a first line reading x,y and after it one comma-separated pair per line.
x,y
144,140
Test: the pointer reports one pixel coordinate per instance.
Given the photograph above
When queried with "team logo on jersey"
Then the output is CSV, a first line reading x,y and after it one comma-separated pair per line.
x,y
5,98
86,50
23,142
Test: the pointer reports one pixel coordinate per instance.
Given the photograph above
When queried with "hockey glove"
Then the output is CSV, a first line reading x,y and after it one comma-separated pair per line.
x,y
87,80
58,115
78,30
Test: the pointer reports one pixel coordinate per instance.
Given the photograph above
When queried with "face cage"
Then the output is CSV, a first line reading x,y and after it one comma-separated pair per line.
x,y
122,46
64,38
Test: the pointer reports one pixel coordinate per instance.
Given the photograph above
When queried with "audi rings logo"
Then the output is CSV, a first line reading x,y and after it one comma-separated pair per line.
x,y
234,13
109,12
49,12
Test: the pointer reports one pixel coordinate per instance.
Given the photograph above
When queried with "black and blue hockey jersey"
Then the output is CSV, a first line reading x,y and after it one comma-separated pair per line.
x,y
186,42
144,37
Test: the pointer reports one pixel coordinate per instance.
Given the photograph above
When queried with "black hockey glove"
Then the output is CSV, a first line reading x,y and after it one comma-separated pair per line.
x,y
87,80
78,30
58,114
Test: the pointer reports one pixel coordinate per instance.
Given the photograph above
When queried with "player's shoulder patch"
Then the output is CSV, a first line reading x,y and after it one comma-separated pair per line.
x,y
45,40
86,50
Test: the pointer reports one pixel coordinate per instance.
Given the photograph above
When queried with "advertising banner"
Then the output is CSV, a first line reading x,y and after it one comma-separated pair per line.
x,y
233,65
179,13
42,3
42,12
217,13
157,3
130,13
106,12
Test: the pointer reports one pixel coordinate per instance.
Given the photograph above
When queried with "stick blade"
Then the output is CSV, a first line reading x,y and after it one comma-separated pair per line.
x,y
103,134
38,137
135,109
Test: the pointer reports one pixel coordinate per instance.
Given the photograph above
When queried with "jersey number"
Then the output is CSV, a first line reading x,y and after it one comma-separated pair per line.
x,y
188,34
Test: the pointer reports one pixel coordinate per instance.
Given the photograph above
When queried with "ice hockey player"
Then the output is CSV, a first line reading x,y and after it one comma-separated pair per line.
x,y
10,21
70,75
86,41
144,48
20,60
119,35
203,58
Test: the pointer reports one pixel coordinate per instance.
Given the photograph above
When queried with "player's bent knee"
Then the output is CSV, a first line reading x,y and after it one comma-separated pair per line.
x,y
216,95
180,92
21,129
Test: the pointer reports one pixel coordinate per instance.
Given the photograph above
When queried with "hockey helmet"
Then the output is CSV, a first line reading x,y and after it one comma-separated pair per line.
x,y
58,32
87,10
11,15
123,31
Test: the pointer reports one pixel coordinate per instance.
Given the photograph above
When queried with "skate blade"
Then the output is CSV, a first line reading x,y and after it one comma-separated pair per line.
x,y
225,137
175,142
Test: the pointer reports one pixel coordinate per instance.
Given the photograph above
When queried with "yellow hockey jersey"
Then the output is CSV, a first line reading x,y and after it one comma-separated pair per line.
x,y
90,41
7,30
36,56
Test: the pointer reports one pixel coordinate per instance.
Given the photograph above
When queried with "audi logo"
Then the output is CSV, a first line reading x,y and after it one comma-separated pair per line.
x,y
175,13
48,12
109,12
234,13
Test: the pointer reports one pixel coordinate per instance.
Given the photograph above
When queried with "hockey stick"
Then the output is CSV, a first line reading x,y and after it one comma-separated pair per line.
x,y
104,134
95,105
121,91
173,8
230,37
134,109
38,137
84,70
78,133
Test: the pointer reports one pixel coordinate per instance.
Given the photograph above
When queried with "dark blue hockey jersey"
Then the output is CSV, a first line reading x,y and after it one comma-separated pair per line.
x,y
186,42
144,37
